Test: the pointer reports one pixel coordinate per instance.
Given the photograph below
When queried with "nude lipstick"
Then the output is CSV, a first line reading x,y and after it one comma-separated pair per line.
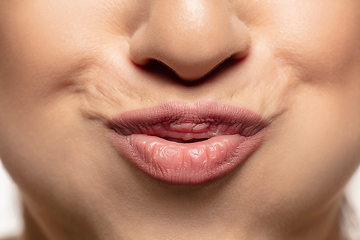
x,y
188,144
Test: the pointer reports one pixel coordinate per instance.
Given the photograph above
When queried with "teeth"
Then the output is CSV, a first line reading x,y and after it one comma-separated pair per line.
x,y
182,126
213,128
201,127
222,128
187,136
189,131
189,127
172,135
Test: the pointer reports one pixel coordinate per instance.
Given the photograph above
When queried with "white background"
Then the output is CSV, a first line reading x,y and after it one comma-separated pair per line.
x,y
10,211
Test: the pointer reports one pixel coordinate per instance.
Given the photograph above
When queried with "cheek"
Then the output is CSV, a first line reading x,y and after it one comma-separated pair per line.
x,y
321,40
309,157
38,62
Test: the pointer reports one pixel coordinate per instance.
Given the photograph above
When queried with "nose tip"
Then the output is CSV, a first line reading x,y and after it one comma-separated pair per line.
x,y
192,37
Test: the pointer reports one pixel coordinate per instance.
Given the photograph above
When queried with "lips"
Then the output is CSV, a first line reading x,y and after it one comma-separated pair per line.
x,y
188,144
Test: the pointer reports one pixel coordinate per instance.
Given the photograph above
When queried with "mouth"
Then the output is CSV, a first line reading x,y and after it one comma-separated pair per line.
x,y
188,144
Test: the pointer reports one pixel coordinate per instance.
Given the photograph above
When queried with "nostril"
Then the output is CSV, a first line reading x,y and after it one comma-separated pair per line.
x,y
188,66
158,68
190,47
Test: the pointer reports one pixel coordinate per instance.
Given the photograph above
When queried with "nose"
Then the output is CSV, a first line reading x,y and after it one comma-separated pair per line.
x,y
192,37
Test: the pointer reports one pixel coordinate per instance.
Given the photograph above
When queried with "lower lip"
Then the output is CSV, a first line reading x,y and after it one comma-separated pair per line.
x,y
188,163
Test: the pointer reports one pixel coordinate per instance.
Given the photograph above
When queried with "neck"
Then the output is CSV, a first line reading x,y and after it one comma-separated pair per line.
x,y
32,229
324,225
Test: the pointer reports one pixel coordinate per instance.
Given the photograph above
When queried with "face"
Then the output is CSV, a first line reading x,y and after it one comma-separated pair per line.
x,y
68,67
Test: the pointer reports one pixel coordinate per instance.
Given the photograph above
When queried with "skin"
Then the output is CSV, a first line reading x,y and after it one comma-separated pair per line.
x,y
65,66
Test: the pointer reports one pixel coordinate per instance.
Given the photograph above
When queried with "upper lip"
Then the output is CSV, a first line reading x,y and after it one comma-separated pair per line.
x,y
184,122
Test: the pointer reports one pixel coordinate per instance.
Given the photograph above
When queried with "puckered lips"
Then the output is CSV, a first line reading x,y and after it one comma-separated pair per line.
x,y
188,144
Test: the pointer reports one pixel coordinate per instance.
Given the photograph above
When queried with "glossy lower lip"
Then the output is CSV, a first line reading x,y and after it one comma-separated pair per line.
x,y
188,144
